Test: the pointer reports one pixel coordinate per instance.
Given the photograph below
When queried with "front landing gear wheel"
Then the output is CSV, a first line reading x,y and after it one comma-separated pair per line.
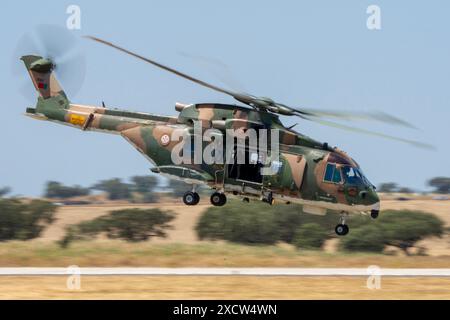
x,y
218,199
374,214
341,229
191,198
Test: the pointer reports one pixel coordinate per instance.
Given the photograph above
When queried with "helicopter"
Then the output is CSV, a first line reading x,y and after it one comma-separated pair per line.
x,y
297,170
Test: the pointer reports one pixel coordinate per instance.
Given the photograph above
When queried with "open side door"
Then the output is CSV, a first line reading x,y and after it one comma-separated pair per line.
x,y
244,177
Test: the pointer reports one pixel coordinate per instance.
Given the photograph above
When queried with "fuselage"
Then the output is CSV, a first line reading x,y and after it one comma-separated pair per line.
x,y
305,171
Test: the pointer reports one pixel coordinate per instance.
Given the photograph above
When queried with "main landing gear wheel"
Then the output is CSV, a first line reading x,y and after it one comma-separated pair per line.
x,y
218,199
341,229
191,198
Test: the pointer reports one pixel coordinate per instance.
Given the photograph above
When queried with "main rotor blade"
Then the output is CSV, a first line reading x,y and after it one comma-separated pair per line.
x,y
218,69
267,104
159,65
351,115
355,115
372,133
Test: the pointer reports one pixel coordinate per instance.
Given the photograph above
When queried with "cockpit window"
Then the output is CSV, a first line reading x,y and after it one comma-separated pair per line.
x,y
354,175
332,174
337,177
349,174
329,172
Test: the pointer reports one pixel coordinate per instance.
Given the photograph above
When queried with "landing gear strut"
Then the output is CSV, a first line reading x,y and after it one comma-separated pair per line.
x,y
218,199
269,198
191,198
342,229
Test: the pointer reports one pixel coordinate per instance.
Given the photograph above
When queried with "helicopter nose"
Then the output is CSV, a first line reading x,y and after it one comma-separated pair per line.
x,y
369,196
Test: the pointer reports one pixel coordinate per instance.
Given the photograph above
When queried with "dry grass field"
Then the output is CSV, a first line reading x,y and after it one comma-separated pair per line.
x,y
232,287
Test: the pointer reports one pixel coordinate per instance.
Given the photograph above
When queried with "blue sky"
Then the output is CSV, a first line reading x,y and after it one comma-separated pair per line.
x,y
315,54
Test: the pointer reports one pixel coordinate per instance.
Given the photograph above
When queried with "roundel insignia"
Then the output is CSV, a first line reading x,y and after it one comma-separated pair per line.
x,y
165,139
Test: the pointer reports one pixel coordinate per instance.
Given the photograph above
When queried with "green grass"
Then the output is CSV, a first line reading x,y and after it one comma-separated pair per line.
x,y
208,254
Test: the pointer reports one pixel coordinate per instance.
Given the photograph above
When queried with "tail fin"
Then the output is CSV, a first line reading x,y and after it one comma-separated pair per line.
x,y
43,77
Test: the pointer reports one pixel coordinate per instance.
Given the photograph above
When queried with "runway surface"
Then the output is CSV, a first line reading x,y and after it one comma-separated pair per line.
x,y
298,272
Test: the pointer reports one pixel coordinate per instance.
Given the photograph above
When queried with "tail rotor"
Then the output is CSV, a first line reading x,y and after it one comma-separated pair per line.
x,y
57,46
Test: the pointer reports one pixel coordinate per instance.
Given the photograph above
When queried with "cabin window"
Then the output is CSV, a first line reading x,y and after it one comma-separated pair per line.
x,y
332,174
253,158
248,171
276,166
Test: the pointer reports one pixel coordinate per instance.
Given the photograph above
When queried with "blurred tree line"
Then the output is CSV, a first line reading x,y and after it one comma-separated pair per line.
x,y
55,189
132,225
24,220
4,191
140,189
397,228
250,224
391,187
439,184
143,188
259,223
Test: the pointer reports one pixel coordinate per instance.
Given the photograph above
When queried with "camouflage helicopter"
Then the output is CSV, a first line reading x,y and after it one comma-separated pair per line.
x,y
307,172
